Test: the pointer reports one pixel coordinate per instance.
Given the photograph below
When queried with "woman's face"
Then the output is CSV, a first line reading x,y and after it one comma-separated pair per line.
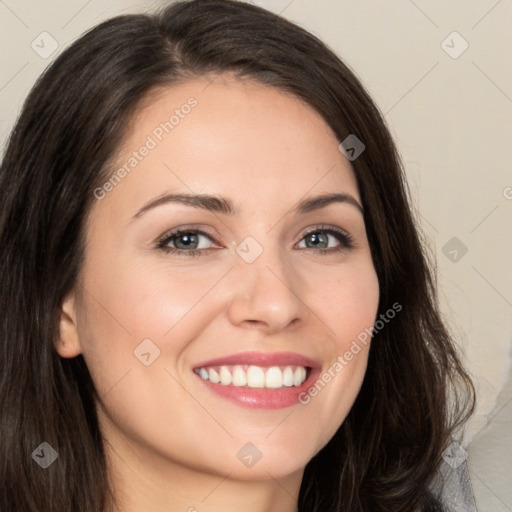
x,y
263,288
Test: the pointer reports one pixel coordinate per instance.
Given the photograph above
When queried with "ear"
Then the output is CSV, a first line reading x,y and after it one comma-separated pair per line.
x,y
68,344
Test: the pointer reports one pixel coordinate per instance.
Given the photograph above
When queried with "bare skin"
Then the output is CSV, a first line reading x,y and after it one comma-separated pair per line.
x,y
171,442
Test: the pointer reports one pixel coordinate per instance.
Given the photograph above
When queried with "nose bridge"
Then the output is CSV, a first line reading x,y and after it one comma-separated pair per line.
x,y
265,289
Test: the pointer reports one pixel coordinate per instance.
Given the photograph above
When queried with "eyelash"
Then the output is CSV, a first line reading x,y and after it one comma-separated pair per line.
x,y
346,241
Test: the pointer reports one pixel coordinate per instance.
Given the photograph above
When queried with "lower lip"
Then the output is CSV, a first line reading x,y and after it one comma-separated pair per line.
x,y
263,398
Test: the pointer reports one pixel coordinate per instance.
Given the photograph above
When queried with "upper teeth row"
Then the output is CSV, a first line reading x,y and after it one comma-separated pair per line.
x,y
254,376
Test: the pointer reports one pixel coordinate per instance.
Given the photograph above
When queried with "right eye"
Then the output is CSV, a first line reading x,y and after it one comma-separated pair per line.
x,y
189,242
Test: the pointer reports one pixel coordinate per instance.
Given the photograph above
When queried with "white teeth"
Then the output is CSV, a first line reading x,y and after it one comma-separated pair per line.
x,y
225,376
239,377
214,376
299,376
273,377
287,377
255,377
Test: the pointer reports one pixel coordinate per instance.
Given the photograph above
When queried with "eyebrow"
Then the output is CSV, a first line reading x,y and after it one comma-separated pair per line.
x,y
218,204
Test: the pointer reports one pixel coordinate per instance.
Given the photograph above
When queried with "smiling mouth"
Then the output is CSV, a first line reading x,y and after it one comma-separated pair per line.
x,y
255,377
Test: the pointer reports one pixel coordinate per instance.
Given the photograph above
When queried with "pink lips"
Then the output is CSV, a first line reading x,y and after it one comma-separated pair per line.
x,y
262,359
262,398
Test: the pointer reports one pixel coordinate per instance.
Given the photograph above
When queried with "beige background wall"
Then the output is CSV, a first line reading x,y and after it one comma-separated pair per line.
x,y
449,107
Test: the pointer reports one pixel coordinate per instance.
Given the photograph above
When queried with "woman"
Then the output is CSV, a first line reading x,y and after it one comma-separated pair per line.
x,y
213,290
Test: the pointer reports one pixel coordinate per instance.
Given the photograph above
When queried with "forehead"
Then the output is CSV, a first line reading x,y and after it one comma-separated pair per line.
x,y
228,137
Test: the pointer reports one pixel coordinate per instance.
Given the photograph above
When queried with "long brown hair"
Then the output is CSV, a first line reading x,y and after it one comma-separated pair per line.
x,y
415,393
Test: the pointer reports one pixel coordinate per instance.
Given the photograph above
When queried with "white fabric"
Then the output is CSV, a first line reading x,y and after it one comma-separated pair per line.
x,y
453,487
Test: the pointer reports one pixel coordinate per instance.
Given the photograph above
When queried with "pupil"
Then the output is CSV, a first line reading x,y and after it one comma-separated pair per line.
x,y
187,240
319,239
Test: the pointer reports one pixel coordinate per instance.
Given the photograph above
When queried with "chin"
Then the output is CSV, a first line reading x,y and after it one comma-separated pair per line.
x,y
270,469
267,461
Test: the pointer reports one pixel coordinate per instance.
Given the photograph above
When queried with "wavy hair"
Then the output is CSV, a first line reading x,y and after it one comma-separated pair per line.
x,y
416,393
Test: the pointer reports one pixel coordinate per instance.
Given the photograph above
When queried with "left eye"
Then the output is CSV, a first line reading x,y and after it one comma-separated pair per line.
x,y
321,240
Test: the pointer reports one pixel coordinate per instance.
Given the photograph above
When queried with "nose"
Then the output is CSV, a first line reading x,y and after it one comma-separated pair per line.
x,y
266,294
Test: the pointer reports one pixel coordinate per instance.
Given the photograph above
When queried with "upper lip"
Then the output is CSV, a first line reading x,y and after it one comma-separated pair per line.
x,y
262,359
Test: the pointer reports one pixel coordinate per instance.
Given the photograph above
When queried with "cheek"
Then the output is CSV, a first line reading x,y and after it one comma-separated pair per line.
x,y
132,303
347,301
138,306
348,307
145,301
